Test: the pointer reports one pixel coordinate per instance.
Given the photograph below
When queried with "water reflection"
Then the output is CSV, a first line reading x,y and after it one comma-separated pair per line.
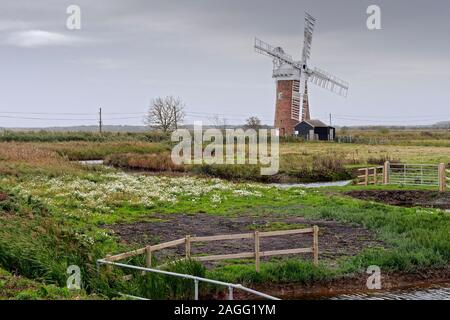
x,y
441,293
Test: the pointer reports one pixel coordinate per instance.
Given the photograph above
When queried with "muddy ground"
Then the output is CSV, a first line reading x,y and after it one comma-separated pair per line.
x,y
335,239
407,198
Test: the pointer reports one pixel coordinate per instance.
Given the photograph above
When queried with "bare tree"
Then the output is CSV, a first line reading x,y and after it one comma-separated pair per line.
x,y
165,113
253,123
218,122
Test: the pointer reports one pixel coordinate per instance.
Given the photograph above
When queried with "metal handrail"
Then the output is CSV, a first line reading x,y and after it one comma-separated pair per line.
x,y
196,279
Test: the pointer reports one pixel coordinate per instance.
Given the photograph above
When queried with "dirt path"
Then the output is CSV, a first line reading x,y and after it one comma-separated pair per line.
x,y
407,198
335,239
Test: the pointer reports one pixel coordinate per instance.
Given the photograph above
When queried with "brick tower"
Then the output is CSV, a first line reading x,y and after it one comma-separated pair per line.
x,y
287,107
285,99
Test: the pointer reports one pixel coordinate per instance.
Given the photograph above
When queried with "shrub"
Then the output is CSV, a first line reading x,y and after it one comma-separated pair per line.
x,y
151,162
233,172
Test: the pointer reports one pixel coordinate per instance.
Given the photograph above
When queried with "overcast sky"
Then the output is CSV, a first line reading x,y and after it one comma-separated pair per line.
x,y
128,52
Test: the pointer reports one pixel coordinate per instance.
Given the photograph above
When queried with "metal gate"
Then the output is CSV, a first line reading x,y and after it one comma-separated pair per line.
x,y
414,174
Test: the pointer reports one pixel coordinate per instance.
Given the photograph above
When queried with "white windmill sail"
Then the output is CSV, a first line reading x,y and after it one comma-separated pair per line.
x,y
328,81
307,41
306,54
296,100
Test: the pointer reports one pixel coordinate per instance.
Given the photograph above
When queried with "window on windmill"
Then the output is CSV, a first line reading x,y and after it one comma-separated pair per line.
x,y
280,95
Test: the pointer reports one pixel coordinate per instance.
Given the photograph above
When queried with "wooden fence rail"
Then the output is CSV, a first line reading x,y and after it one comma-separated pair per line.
x,y
373,175
256,254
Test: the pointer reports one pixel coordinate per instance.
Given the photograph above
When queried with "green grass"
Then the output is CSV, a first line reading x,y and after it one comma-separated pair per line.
x,y
155,286
99,150
383,136
276,226
52,213
287,271
38,244
415,239
13,287
56,136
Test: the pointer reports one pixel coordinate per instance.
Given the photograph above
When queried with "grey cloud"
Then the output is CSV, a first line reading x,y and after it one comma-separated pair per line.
x,y
130,51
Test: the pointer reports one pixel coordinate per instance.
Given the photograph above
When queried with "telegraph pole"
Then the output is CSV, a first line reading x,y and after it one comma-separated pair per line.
x,y
176,120
100,122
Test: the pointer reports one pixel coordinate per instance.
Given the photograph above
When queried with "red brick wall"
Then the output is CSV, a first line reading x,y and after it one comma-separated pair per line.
x,y
283,119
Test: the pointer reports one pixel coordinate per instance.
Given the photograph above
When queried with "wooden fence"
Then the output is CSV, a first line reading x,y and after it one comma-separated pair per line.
x,y
257,254
373,175
406,174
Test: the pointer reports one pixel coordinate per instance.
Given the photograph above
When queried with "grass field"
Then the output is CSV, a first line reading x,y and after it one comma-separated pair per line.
x,y
360,154
55,213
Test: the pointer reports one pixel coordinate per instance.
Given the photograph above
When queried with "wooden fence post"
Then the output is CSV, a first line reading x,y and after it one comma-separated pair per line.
x,y
108,266
366,176
375,172
386,172
257,250
316,245
188,247
442,177
148,256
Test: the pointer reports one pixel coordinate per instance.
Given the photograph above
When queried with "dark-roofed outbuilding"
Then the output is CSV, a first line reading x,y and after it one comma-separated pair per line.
x,y
315,130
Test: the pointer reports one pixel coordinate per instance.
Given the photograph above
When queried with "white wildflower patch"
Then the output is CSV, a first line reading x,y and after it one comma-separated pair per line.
x,y
85,239
215,198
104,193
247,193
299,192
426,211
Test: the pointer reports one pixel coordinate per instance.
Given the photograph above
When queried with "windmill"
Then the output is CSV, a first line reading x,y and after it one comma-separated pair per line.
x,y
292,79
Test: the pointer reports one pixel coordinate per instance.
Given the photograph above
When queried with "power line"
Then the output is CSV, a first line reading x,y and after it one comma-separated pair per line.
x,y
125,113
100,122
355,120
69,113
57,119
67,119
434,116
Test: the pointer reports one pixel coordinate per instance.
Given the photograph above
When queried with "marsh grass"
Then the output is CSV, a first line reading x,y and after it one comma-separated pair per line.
x,y
18,159
275,226
68,136
286,271
351,154
47,222
36,244
99,150
392,136
14,287
415,239
157,286
159,161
